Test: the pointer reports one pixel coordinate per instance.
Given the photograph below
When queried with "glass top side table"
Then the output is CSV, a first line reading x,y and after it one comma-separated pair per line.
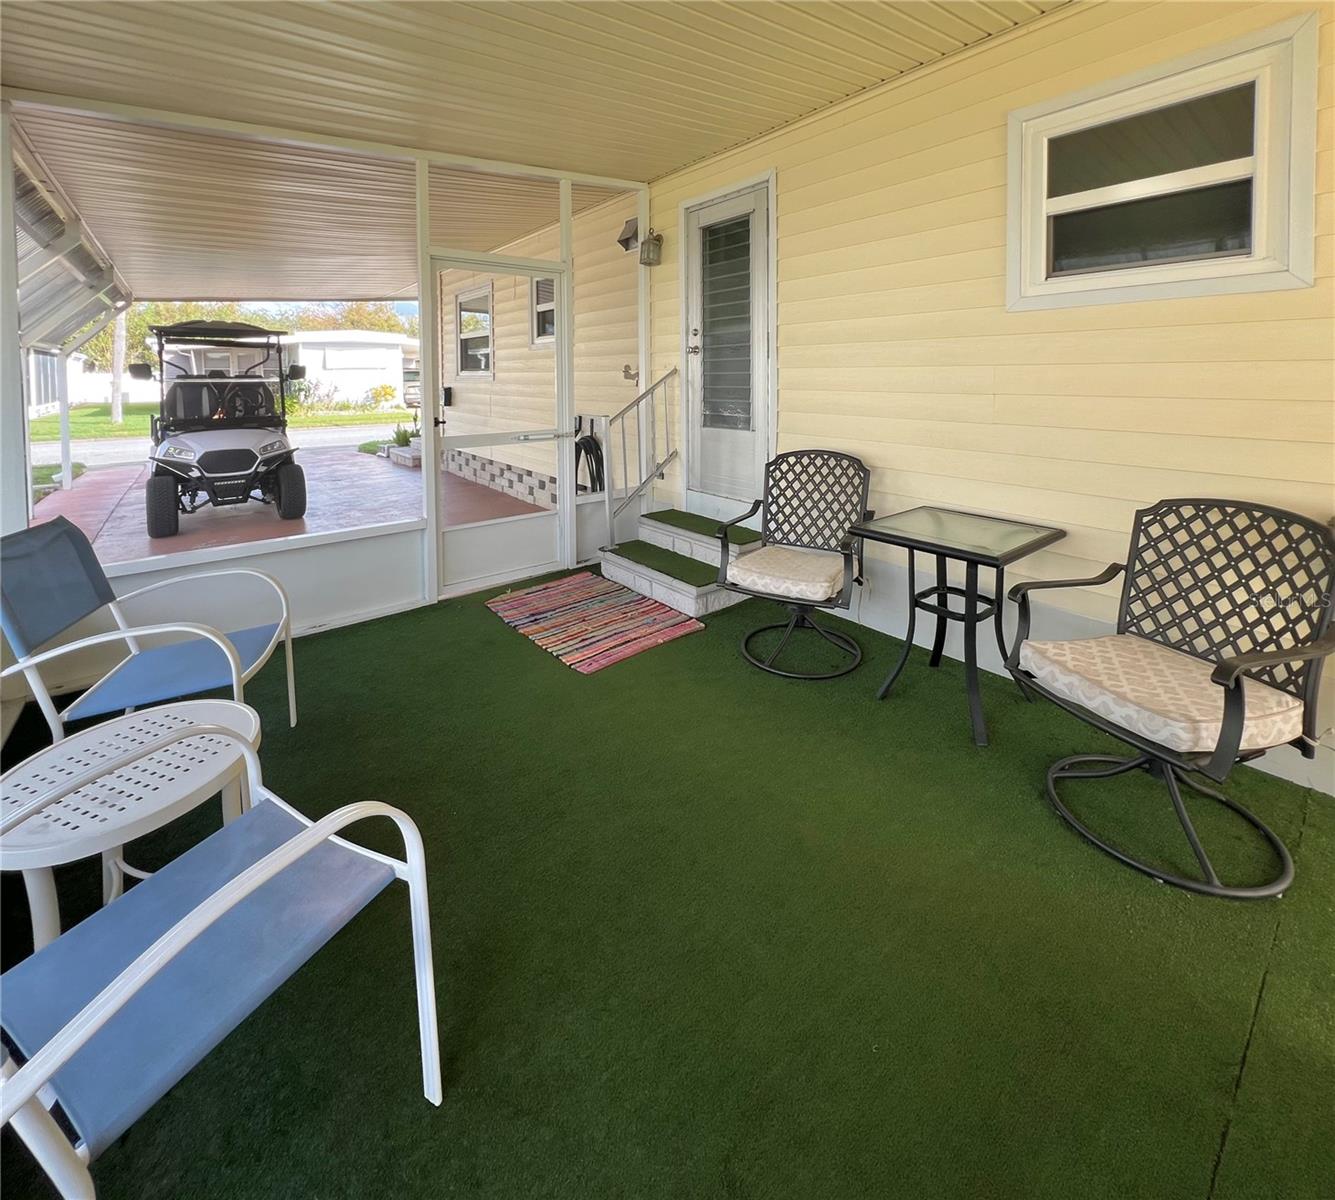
x,y
971,538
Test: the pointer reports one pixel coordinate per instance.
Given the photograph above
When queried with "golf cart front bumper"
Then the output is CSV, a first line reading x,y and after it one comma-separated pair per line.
x,y
225,476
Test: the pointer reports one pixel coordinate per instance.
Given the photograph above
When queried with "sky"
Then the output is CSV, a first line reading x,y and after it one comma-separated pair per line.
x,y
404,308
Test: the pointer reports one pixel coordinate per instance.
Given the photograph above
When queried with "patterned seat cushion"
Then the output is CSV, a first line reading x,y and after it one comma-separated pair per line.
x,y
1158,693
813,575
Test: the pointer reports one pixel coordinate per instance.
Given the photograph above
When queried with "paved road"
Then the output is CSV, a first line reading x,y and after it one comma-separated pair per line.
x,y
109,452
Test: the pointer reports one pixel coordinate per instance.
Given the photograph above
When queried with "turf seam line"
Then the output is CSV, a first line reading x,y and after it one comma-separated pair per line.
x,y
1251,1028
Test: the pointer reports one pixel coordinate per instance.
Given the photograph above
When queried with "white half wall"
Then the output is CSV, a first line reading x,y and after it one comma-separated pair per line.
x,y
331,580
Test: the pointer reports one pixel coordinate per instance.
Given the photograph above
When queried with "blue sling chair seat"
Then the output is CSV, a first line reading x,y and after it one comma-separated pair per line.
x,y
174,968
51,580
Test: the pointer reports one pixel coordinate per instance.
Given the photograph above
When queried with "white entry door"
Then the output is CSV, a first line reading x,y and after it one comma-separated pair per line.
x,y
727,324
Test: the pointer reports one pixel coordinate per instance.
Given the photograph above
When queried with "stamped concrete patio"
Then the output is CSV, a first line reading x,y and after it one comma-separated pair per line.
x,y
346,490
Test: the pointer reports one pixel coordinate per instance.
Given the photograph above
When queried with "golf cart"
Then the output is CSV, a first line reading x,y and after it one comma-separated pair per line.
x,y
220,436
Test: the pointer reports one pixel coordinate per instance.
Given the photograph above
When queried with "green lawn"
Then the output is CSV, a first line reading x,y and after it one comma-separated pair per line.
x,y
94,421
705,933
44,478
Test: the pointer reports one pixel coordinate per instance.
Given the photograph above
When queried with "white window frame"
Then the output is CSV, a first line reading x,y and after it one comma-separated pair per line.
x,y
1282,62
472,294
535,342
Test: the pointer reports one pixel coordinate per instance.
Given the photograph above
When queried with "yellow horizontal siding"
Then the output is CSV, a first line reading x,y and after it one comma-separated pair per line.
x,y
893,338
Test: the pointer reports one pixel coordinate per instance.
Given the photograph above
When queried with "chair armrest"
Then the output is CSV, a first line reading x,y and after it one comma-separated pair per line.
x,y
1020,595
722,534
128,634
196,576
1111,571
1228,675
19,1089
28,666
1229,670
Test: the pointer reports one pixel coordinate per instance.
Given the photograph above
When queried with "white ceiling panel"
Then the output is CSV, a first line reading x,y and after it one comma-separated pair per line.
x,y
630,89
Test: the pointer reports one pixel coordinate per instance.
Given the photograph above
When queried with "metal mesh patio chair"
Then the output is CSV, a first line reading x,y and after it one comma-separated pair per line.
x,y
101,1023
1223,624
806,559
50,580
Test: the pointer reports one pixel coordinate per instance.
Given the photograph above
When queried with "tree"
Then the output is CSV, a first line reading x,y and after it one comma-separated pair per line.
x,y
297,317
117,367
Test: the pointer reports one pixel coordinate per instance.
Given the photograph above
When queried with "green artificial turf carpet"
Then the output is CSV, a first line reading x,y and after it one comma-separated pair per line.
x,y
695,523
688,570
702,932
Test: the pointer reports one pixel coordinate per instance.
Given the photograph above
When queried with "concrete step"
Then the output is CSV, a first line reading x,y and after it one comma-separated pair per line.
x,y
692,535
680,582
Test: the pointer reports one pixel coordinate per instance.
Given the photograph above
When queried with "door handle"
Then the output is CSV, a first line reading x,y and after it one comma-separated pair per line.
x,y
692,349
438,421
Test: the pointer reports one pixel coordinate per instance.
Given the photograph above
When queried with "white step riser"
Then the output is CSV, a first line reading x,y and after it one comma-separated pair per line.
x,y
693,601
680,541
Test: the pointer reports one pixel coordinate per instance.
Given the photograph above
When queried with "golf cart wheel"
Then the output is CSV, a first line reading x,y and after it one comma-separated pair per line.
x,y
291,491
161,507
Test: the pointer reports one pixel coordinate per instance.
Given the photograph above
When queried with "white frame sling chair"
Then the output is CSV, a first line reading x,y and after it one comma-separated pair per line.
x,y
114,1012
52,580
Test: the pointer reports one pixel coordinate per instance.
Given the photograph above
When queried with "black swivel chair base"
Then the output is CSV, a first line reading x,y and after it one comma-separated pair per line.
x,y
1103,766
801,619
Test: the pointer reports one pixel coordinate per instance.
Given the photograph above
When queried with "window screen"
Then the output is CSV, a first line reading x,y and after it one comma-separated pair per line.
x,y
725,324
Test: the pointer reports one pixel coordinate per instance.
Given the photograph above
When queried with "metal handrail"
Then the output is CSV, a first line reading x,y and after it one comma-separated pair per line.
x,y
644,395
651,465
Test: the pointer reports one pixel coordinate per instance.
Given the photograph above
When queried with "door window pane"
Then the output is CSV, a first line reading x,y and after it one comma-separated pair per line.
x,y
1210,222
725,341
1209,129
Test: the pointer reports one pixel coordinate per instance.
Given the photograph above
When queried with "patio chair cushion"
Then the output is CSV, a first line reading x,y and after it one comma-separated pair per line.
x,y
202,994
168,672
788,571
1161,694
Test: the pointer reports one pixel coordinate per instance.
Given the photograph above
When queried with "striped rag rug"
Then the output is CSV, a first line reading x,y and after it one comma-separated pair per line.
x,y
589,622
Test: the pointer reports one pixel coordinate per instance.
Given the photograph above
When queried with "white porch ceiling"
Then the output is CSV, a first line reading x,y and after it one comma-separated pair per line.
x,y
195,216
630,89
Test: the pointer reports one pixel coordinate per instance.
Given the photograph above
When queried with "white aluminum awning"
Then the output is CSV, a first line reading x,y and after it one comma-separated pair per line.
x,y
65,280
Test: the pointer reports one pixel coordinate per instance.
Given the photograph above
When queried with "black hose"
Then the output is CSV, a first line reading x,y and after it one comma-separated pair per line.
x,y
589,447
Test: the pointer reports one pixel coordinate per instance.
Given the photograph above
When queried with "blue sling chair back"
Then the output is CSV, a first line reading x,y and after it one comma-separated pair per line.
x,y
101,1023
50,580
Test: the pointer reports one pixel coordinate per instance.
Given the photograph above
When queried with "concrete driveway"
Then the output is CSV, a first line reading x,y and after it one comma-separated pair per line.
x,y
345,490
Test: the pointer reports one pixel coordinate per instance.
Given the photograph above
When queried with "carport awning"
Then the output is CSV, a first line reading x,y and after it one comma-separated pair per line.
x,y
186,215
65,280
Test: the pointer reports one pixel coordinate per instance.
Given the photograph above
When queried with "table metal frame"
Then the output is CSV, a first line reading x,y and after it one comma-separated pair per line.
x,y
977,607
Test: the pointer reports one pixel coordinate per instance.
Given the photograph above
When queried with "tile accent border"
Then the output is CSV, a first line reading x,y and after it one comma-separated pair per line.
x,y
520,482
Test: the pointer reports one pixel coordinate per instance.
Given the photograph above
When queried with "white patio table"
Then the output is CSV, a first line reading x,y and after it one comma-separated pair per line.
x,y
117,806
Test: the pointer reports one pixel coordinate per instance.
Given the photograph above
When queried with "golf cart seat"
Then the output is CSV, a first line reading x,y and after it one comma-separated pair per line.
x,y
248,399
190,400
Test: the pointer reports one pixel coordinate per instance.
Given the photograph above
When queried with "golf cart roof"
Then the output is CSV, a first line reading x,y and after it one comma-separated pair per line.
x,y
214,332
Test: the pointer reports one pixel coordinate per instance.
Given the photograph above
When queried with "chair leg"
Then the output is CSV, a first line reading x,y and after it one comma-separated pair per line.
x,y
1105,767
113,878
291,681
801,619
43,904
37,1129
424,972
783,641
